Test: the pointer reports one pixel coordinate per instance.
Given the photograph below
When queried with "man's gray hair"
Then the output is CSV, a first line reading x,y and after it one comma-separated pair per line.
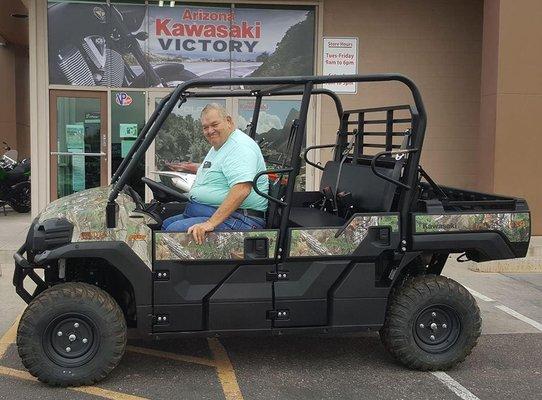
x,y
214,106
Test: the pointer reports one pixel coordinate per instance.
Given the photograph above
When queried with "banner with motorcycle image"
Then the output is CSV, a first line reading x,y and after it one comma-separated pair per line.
x,y
121,45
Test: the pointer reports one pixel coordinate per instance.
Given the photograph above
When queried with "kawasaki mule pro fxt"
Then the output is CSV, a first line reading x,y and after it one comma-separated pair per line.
x,y
365,252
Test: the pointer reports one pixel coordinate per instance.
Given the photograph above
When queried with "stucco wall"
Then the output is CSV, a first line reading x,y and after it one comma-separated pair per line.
x,y
14,99
518,132
8,129
438,44
22,101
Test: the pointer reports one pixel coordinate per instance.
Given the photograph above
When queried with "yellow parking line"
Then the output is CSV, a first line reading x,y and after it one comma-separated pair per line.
x,y
93,390
108,394
226,373
9,337
15,373
171,356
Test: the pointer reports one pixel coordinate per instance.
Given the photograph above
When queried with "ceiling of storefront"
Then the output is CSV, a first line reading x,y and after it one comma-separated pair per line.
x,y
14,30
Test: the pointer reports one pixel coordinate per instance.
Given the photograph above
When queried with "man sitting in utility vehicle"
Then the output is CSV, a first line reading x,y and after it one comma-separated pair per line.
x,y
222,197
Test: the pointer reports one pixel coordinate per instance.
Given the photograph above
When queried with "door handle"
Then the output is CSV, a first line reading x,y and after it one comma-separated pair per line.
x,y
256,248
67,153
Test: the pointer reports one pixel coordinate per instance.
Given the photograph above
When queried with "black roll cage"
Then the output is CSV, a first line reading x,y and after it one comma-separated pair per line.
x,y
279,86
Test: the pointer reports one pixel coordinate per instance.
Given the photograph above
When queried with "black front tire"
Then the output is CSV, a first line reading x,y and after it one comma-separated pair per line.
x,y
72,334
432,323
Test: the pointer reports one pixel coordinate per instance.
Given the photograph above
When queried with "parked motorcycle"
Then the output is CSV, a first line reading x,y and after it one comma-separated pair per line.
x,y
14,181
97,44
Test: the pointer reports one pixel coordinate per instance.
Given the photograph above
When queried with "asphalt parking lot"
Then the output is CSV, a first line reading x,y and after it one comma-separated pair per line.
x,y
506,364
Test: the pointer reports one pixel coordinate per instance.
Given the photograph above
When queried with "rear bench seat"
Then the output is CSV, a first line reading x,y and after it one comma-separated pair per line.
x,y
369,193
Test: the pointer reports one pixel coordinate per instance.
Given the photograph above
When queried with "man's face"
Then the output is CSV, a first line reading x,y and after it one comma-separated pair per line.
x,y
216,129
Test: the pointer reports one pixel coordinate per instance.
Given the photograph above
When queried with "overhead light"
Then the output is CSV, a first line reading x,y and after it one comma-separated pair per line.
x,y
161,3
19,16
172,3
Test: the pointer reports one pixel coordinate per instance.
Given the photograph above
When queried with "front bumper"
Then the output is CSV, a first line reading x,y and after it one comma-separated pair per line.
x,y
24,269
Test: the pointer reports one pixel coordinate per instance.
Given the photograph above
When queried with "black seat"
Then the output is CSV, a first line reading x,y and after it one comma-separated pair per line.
x,y
369,192
313,217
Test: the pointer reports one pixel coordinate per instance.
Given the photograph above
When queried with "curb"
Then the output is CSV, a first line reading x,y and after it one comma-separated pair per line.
x,y
518,265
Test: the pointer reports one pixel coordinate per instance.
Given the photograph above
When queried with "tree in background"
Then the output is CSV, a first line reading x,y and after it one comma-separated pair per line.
x,y
294,54
180,139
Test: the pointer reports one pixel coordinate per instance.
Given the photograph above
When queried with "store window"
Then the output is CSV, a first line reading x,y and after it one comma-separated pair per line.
x,y
273,131
181,136
78,141
274,125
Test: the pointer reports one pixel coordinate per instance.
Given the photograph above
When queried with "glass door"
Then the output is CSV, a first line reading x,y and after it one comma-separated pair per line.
x,y
79,140
127,120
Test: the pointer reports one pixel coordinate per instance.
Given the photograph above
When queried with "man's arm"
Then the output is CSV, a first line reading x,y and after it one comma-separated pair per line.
x,y
184,166
237,194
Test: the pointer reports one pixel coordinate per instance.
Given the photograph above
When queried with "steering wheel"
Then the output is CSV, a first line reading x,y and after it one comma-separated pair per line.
x,y
162,192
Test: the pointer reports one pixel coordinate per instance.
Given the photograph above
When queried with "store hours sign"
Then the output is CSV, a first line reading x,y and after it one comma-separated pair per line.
x,y
341,58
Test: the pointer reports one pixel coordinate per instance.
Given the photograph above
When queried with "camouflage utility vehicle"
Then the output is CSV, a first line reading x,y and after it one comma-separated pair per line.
x,y
363,252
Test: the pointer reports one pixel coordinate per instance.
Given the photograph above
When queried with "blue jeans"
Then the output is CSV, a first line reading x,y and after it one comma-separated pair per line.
x,y
196,213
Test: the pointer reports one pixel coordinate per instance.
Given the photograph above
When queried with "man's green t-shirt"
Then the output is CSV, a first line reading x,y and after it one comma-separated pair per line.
x,y
238,160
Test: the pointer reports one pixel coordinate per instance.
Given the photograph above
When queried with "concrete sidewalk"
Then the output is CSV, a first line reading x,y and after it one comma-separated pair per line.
x,y
13,230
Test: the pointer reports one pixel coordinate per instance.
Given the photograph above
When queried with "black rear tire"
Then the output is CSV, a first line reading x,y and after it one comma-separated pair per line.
x,y
72,334
432,323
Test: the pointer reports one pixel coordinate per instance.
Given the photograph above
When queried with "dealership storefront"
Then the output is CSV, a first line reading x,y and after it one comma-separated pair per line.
x,y
110,63
97,70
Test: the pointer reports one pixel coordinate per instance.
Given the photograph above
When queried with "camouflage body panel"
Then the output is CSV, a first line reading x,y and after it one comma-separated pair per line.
x,y
86,212
217,245
322,242
516,226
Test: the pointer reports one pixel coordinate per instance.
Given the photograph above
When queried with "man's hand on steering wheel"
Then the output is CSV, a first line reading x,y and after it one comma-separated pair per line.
x,y
199,231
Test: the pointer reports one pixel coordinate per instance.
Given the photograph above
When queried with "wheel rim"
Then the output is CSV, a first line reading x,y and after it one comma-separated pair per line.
x,y
71,340
437,328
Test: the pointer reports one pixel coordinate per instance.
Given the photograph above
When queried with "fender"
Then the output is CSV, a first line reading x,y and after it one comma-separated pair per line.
x,y
119,255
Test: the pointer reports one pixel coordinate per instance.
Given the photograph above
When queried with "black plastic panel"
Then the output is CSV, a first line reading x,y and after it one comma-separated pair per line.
x,y
309,279
520,249
305,292
373,245
119,255
247,282
358,311
188,282
307,312
242,301
239,315
51,233
180,317
481,246
359,281
144,321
